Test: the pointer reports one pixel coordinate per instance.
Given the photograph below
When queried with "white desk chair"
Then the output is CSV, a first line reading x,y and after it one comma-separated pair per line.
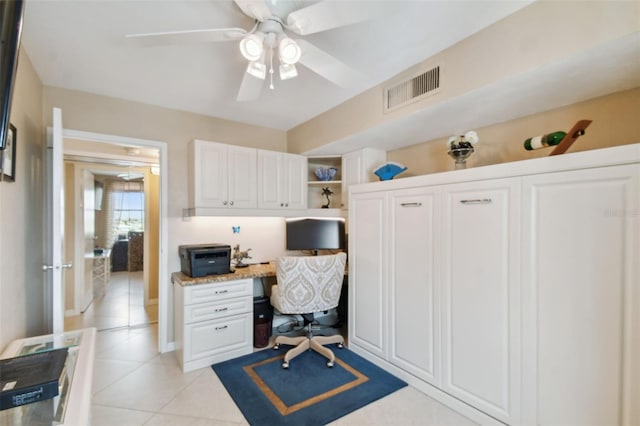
x,y
308,284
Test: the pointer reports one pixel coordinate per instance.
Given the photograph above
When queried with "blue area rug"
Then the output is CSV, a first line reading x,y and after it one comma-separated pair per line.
x,y
308,393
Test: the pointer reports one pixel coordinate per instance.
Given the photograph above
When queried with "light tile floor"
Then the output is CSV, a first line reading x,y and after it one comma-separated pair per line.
x,y
135,385
122,305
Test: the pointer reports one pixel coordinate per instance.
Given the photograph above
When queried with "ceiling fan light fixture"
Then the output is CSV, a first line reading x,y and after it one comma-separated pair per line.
x,y
289,51
257,69
251,46
288,71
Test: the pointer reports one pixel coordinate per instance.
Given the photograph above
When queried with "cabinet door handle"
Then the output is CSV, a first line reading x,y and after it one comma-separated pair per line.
x,y
230,203
478,201
221,328
224,203
221,291
221,310
411,204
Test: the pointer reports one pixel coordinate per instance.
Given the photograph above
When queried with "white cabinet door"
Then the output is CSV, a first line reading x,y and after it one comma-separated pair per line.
x,y
208,174
295,181
480,278
282,182
581,298
414,311
243,191
270,179
367,273
357,167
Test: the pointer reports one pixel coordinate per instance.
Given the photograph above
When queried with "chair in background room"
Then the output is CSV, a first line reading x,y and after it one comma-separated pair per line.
x,y
308,284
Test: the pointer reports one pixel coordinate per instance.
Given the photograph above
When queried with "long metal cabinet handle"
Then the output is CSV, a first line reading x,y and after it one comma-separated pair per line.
x,y
410,204
478,201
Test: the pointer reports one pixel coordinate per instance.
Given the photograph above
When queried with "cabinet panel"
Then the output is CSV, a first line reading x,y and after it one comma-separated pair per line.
x,y
295,181
481,295
208,338
209,179
242,162
225,308
270,173
367,281
217,291
581,291
414,297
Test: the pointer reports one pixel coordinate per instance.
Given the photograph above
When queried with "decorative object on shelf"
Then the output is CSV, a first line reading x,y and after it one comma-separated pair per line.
x,y
389,170
327,192
326,174
576,131
461,148
550,139
239,255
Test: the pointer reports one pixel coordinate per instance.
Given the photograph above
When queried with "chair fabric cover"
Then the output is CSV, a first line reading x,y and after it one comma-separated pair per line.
x,y
308,284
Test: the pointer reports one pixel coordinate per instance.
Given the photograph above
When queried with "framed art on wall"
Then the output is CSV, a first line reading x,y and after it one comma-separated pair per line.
x,y
9,155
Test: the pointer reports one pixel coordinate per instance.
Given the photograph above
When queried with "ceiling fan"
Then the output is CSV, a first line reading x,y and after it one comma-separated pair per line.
x,y
273,19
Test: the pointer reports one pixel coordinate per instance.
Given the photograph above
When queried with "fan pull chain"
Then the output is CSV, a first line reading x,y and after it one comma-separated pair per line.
x,y
271,68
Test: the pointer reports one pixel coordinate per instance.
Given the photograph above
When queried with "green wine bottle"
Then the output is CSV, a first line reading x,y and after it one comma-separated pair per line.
x,y
545,140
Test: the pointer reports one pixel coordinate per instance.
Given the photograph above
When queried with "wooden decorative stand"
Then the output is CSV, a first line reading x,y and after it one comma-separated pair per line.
x,y
576,131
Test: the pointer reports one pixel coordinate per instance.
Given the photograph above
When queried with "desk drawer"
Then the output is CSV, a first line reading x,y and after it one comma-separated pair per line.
x,y
224,308
211,338
217,291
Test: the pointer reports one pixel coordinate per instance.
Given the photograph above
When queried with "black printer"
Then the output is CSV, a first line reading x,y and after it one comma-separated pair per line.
x,y
205,259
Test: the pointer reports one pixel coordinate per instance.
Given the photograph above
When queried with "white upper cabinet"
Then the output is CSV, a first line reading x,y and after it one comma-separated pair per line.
x,y
282,180
222,176
357,167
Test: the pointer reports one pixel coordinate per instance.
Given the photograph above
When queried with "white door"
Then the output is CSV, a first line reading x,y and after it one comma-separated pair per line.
x,y
54,268
270,176
295,181
581,293
414,328
243,175
480,293
209,173
367,272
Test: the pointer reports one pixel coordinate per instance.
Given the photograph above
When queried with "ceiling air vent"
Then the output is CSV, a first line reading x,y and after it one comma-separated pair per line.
x,y
412,89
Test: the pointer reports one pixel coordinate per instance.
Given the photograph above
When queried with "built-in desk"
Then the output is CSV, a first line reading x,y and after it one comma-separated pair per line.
x,y
214,315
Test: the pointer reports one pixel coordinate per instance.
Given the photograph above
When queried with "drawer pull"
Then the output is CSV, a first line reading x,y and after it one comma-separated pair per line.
x,y
221,328
411,204
221,291
221,310
478,201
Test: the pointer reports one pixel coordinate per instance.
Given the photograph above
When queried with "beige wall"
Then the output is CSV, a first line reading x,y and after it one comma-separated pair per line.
x,y
21,216
533,36
615,122
152,200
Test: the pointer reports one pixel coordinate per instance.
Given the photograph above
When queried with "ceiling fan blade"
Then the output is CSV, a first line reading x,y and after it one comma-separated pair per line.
x,y
250,88
327,15
186,37
329,67
257,9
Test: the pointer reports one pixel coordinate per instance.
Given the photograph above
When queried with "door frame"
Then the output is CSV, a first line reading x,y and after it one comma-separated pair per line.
x,y
162,147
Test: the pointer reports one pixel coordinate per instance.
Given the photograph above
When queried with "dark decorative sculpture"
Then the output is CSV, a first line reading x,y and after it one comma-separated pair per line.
x,y
239,255
327,192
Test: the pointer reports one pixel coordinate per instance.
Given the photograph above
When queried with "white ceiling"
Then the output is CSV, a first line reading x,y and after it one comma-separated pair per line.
x,y
81,45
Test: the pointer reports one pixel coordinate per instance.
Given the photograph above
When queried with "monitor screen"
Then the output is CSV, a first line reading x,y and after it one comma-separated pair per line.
x,y
315,234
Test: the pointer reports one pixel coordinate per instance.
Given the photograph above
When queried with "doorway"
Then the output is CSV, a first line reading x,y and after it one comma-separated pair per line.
x,y
108,142
112,235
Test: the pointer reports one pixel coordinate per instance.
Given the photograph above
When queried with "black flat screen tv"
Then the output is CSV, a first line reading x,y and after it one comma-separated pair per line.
x,y
315,234
10,29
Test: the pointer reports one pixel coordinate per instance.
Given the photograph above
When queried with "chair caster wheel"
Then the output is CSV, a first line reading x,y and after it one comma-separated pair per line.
x,y
285,365
276,347
330,364
340,346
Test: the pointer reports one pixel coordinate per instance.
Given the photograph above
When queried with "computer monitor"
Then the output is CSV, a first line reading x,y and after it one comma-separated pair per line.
x,y
310,233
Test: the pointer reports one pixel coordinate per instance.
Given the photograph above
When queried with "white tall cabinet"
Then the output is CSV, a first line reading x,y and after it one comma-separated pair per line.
x,y
509,292
480,294
581,294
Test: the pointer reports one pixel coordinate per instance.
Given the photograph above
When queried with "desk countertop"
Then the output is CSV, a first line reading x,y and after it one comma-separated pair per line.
x,y
252,271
